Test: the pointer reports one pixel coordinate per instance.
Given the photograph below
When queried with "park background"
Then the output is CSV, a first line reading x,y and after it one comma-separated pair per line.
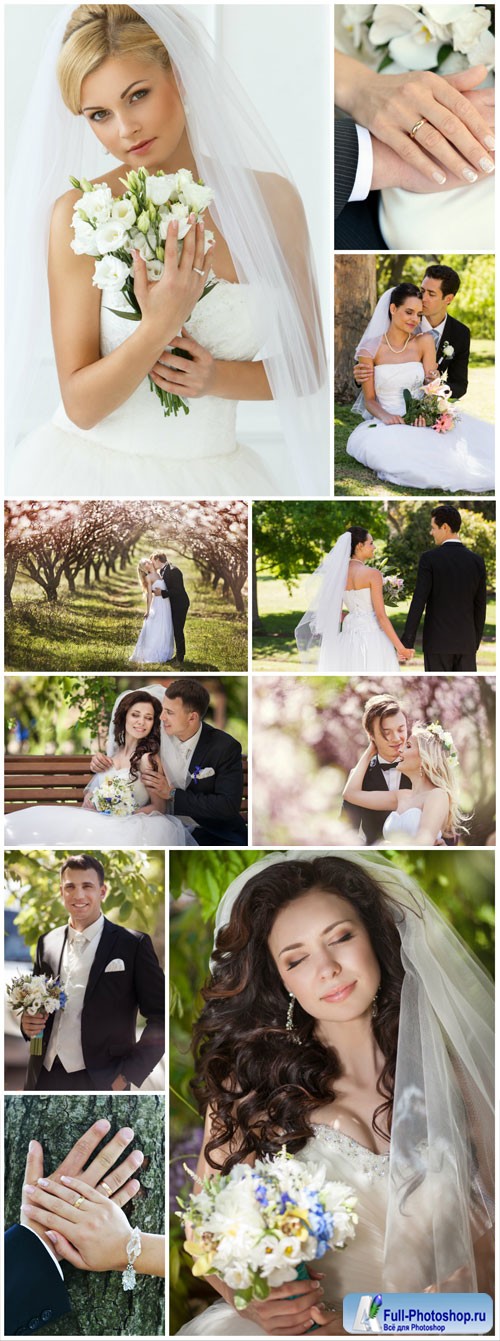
x,y
73,600
135,898
461,884
360,279
308,734
289,541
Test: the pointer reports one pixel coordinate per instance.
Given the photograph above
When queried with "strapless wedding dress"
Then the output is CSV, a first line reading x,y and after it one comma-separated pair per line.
x,y
463,459
41,825
403,825
136,450
156,639
362,645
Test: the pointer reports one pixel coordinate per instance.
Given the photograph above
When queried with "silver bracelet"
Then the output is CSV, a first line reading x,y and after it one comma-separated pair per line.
x,y
134,1248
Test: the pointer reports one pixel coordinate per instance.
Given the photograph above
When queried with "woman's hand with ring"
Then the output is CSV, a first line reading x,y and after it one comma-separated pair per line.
x,y
190,378
168,302
86,1228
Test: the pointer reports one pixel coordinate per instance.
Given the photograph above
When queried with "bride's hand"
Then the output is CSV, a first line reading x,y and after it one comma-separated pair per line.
x,y
390,418
454,135
279,1314
100,762
419,423
190,378
168,302
92,1235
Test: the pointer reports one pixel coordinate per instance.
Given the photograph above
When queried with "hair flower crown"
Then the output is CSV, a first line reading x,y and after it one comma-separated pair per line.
x,y
446,740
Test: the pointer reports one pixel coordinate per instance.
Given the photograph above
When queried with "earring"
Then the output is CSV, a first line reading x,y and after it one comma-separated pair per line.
x,y
291,1031
375,1004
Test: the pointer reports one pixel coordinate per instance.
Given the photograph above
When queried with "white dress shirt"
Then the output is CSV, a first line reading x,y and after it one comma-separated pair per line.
x,y
392,777
435,331
364,170
176,757
78,956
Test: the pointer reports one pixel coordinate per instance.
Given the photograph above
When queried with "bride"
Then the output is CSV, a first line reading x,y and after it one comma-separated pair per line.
x,y
364,640
156,639
429,810
136,726
402,453
345,1018
153,96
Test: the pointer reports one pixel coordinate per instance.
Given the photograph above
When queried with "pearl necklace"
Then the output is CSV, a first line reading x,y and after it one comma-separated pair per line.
x,y
397,351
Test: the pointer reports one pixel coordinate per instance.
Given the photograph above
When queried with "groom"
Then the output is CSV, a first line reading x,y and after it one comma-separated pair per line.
x,y
451,337
176,593
451,588
386,726
110,975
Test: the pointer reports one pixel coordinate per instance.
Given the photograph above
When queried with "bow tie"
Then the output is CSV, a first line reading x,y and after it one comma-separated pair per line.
x,y
387,767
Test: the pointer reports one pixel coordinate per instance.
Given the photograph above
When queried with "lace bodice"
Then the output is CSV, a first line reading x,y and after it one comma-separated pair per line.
x,y
141,796
359,605
221,322
391,379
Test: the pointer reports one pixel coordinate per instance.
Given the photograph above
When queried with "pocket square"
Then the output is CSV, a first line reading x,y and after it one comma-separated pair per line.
x,y
199,773
115,966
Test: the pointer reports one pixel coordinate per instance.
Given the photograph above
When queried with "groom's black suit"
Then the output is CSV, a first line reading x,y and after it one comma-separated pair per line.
x,y
451,587
458,336
372,821
179,604
110,1007
356,225
214,802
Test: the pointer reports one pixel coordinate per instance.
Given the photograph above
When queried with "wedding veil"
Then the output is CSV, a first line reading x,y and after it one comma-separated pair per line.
x,y
155,690
372,335
325,609
441,1167
256,207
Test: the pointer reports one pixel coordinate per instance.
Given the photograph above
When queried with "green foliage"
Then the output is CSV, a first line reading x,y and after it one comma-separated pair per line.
x,y
292,538
408,542
474,304
135,880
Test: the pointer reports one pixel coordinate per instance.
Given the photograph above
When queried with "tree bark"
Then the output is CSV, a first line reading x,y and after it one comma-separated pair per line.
x,y
355,299
10,577
257,626
100,1306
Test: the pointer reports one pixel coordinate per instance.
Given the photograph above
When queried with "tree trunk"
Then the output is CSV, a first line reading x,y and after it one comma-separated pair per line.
x,y
355,299
10,577
70,578
87,575
236,592
257,626
100,1307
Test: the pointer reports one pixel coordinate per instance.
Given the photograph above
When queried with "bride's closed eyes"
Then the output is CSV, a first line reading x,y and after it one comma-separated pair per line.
x,y
347,936
101,113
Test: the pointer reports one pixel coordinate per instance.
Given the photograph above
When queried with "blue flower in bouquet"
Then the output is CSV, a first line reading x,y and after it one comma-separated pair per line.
x,y
261,1192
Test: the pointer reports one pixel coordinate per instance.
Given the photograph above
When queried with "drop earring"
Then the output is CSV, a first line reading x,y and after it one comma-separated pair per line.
x,y
375,1004
290,1028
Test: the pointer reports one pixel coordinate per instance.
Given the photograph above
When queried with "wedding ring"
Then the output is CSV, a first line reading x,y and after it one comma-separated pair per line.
x,y
107,1187
78,1202
198,272
417,127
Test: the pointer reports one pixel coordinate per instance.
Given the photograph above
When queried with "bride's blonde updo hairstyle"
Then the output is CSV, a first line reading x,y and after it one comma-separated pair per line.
x,y
439,762
94,33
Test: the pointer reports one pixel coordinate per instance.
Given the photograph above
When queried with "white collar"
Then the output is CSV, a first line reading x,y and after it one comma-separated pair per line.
x,y
188,745
452,541
90,932
426,325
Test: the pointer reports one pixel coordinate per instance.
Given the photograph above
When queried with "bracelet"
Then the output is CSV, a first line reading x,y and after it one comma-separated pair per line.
x,y
133,1249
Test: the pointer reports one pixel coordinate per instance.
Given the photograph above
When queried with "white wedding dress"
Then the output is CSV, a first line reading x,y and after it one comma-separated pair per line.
x,y
136,450
87,828
403,825
463,459
362,645
156,639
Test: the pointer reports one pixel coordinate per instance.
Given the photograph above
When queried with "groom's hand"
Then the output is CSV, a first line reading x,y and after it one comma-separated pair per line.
x,y
100,762
157,783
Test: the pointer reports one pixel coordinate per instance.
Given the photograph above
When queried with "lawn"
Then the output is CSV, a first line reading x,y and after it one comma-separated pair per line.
x,y
354,480
275,649
96,628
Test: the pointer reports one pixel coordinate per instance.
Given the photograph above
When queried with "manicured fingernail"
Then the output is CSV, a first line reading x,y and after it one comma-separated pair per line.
x,y
28,1188
64,1179
201,224
27,1210
439,177
51,1235
126,1134
43,1182
489,141
134,1186
137,1158
102,1125
32,1147
486,164
469,175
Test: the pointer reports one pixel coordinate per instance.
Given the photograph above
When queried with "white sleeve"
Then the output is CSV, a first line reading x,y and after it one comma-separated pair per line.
x,y
364,171
49,1250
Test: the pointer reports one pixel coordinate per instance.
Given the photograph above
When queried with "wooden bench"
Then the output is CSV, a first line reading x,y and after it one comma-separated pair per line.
x,y
44,779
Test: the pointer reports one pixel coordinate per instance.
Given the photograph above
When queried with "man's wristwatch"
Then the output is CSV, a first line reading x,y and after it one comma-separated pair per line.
x,y
171,797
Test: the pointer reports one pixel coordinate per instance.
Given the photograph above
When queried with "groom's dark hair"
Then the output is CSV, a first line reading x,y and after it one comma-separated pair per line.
x,y
84,862
160,555
449,280
445,514
193,694
377,708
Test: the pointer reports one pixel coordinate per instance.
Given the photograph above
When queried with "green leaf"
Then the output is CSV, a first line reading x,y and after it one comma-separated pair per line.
x,y
444,51
386,60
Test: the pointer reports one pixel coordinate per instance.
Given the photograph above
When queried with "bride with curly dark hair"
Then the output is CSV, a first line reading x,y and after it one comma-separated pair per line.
x,y
344,1018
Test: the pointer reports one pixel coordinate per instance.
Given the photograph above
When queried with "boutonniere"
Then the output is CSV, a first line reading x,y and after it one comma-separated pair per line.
x,y
199,773
448,351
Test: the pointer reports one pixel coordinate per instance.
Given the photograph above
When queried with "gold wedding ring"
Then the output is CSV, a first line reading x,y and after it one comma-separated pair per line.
x,y
202,272
107,1187
78,1202
417,127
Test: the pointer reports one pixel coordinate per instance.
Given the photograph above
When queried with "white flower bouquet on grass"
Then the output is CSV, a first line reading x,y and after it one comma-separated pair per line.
x,y
114,796
111,228
37,995
256,1227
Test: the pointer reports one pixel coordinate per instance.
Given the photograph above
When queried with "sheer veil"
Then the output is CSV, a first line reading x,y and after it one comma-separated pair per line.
x,y
377,326
442,1142
325,609
256,206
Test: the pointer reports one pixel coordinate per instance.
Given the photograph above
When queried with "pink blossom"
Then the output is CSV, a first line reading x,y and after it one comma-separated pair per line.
x,y
444,423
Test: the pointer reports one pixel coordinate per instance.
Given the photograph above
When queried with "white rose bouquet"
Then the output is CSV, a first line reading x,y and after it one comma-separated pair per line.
x,y
444,38
36,994
114,796
111,228
256,1227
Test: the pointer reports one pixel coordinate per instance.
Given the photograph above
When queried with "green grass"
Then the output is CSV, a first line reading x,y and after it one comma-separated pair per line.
x,y
353,479
275,649
96,628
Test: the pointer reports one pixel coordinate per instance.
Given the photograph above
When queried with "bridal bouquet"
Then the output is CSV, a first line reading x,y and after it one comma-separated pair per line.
x,y
114,796
440,37
36,994
256,1227
431,403
393,588
111,228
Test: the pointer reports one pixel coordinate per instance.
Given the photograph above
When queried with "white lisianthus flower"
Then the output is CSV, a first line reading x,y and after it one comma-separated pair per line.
x,y
159,189
178,210
84,243
124,210
197,197
155,270
110,273
97,204
111,235
467,29
141,244
482,52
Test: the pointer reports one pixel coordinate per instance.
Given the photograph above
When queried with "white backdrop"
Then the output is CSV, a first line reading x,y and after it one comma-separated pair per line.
x,y
280,53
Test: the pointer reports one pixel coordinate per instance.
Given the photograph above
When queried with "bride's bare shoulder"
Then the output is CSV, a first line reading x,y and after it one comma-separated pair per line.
x,y
423,342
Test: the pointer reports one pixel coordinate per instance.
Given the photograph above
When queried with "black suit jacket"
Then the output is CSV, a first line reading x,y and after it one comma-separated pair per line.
x,y
451,587
175,590
372,821
35,1293
356,226
214,802
111,1005
457,367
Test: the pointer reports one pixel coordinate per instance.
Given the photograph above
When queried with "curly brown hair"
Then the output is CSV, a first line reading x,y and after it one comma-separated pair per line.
x,y
150,744
260,1088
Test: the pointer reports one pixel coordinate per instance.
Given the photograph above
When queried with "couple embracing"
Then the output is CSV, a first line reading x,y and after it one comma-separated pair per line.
x,y
404,787
167,604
